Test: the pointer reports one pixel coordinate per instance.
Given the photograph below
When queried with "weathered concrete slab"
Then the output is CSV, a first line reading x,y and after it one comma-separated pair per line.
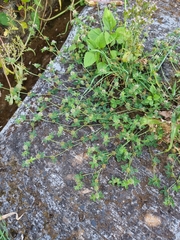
x,y
45,193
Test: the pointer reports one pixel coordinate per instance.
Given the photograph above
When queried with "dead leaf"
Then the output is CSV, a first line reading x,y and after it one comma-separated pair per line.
x,y
9,215
85,191
152,220
78,159
60,4
93,3
165,114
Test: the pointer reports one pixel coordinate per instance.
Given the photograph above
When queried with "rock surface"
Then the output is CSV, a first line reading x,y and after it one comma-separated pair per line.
x,y
44,191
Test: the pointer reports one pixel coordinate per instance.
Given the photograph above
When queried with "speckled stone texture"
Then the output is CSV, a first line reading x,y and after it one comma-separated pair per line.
x,y
45,191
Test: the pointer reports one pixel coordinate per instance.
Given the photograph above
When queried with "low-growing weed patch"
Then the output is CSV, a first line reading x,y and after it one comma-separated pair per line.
x,y
117,92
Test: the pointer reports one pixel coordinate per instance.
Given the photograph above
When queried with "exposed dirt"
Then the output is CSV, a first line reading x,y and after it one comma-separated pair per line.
x,y
44,191
54,30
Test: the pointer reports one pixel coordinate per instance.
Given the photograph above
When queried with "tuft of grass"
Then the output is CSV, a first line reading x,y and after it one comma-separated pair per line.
x,y
4,235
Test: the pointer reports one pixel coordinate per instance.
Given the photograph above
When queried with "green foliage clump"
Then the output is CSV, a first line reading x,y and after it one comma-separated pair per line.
x,y
119,96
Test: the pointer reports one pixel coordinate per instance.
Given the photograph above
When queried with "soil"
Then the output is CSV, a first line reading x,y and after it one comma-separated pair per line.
x,y
54,30
45,193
